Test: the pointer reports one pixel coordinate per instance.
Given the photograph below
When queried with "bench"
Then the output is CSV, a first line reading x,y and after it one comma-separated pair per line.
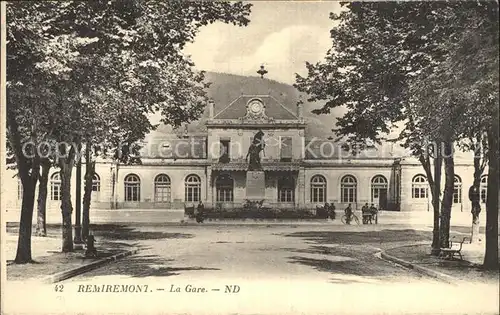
x,y
455,248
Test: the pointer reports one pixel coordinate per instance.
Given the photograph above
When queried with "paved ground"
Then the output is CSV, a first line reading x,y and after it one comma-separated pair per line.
x,y
144,216
299,269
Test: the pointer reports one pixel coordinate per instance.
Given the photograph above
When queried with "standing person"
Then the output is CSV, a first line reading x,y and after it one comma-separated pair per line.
x,y
331,211
366,215
348,213
200,212
374,212
325,209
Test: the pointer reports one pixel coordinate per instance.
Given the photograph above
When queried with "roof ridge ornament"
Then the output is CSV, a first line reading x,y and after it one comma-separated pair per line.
x,y
262,71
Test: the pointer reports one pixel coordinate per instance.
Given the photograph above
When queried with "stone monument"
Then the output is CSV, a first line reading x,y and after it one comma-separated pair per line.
x,y
255,179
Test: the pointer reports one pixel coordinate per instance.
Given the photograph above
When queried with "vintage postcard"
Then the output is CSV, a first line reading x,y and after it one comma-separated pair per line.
x,y
264,157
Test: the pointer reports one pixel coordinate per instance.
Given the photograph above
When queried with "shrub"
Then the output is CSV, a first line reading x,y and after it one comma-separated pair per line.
x,y
263,213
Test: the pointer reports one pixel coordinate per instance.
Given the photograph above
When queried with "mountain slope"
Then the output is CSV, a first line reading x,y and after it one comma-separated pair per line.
x,y
225,88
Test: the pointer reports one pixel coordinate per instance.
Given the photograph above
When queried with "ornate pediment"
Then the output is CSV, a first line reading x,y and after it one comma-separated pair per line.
x,y
256,112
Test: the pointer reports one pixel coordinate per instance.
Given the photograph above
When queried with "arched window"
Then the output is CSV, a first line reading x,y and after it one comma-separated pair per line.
x,y
286,189
192,188
224,188
318,189
483,188
457,190
348,187
55,187
162,188
96,182
132,188
379,188
419,187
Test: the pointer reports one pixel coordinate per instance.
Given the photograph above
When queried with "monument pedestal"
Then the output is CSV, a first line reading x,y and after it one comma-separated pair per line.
x,y
256,185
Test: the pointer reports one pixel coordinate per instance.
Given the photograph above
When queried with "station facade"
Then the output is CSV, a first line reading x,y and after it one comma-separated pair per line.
x,y
301,170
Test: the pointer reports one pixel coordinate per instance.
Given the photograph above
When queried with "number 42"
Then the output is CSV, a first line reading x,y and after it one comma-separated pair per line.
x,y
59,287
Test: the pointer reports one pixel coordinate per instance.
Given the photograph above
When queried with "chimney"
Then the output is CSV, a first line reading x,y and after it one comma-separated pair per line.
x,y
185,134
211,108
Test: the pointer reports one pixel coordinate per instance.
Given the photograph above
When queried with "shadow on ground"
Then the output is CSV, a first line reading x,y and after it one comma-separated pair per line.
x,y
345,261
54,263
359,238
350,255
111,232
123,232
350,267
461,269
143,266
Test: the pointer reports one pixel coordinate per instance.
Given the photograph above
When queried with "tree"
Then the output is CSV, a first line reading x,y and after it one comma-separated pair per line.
x,y
477,144
467,83
378,50
119,59
475,67
472,67
143,70
27,122
390,63
41,226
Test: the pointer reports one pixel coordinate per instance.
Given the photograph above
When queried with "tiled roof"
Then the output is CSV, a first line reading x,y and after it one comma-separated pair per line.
x,y
273,108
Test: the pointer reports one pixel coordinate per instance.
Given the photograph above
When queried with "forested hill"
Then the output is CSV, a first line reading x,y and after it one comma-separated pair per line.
x,y
225,88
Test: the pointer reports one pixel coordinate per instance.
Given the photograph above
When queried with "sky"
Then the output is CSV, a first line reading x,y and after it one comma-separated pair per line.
x,y
280,35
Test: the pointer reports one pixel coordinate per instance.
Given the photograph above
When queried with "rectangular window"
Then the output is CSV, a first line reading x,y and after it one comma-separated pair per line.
x,y
318,194
132,192
55,192
483,195
456,195
286,195
286,152
419,192
224,194
348,194
162,193
193,193
224,151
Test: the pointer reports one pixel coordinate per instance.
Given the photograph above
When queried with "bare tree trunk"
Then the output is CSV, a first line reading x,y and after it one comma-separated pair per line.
x,y
435,189
449,185
480,159
475,197
23,254
87,195
28,172
435,201
78,201
492,202
66,165
476,210
41,227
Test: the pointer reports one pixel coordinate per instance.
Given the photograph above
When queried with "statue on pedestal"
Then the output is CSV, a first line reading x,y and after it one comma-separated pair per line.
x,y
253,155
